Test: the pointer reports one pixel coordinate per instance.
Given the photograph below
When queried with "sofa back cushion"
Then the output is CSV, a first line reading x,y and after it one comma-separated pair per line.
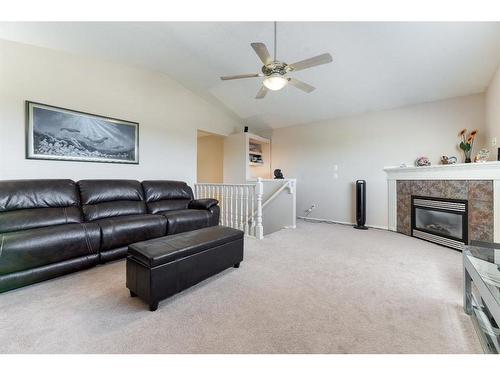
x,y
108,198
28,204
166,195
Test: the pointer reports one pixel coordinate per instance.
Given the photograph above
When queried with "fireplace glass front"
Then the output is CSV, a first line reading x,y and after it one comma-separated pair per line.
x,y
439,222
443,221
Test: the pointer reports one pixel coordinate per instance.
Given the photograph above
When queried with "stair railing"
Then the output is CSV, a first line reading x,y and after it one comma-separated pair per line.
x,y
240,205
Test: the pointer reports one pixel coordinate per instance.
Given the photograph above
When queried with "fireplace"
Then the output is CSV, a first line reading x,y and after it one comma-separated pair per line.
x,y
440,220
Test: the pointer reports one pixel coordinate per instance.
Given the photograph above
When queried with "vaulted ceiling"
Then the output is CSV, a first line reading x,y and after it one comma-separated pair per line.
x,y
376,65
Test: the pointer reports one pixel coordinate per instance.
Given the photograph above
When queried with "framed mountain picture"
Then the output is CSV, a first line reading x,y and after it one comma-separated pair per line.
x,y
54,133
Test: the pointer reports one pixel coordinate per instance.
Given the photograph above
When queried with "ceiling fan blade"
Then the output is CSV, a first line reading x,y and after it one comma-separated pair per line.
x,y
261,51
262,92
301,85
313,61
252,75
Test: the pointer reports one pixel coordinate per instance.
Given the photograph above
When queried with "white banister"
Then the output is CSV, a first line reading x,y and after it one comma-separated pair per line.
x,y
247,228
293,191
288,185
236,203
252,221
242,214
241,205
259,190
226,205
234,208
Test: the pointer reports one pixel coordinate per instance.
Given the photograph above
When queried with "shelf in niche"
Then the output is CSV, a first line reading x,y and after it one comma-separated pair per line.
x,y
251,163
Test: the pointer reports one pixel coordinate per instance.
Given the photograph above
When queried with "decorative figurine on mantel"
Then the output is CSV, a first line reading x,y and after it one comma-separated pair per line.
x,y
467,143
445,160
422,161
482,156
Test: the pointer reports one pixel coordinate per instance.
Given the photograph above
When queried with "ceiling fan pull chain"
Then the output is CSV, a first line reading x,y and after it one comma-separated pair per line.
x,y
275,48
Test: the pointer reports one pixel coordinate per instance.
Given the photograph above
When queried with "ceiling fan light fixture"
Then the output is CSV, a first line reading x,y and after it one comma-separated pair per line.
x,y
275,71
275,82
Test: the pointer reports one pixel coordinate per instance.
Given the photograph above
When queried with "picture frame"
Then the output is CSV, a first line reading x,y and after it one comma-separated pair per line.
x,y
56,133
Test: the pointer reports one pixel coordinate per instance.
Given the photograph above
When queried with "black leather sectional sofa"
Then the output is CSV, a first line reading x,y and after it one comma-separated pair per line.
x,y
53,227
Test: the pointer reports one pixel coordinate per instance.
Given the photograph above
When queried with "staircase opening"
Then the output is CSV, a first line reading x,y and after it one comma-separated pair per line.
x,y
210,157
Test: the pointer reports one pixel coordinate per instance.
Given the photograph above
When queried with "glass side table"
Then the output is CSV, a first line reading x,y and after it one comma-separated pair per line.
x,y
482,291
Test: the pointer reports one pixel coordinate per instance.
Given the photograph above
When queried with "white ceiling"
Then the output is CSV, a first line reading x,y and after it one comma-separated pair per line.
x,y
376,65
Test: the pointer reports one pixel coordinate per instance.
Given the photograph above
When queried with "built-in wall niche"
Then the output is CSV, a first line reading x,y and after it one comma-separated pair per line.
x,y
259,157
255,153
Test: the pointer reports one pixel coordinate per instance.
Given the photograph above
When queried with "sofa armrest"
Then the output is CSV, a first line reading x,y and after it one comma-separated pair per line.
x,y
203,204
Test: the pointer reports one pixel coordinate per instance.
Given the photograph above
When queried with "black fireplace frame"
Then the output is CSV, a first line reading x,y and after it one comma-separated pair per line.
x,y
464,214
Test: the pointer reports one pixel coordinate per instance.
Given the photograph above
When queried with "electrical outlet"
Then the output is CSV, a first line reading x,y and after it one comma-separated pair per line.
x,y
309,210
494,141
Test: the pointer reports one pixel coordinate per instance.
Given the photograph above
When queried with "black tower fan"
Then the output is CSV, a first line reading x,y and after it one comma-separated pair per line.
x,y
360,204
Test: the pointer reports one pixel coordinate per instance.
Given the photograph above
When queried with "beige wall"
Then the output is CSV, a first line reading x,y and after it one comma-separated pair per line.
x,y
361,146
493,114
168,113
210,159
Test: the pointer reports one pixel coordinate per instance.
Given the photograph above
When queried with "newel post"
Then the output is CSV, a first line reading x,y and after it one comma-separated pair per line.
x,y
259,229
293,191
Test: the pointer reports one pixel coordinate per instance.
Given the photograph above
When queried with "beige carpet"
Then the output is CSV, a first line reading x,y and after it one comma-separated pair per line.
x,y
322,288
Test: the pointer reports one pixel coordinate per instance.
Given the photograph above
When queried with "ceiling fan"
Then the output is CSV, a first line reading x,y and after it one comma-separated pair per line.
x,y
276,71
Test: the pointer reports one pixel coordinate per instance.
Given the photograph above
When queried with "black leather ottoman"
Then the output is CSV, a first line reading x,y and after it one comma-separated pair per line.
x,y
161,267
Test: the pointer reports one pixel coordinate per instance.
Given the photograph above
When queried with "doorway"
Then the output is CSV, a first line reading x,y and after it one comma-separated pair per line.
x,y
210,157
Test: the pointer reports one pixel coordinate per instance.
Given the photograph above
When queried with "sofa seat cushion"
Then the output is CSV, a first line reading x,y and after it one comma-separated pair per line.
x,y
163,250
124,230
49,271
38,247
185,220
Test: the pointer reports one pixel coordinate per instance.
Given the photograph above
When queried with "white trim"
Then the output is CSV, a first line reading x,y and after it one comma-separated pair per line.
x,y
496,211
293,191
257,138
471,171
305,218
392,200
212,184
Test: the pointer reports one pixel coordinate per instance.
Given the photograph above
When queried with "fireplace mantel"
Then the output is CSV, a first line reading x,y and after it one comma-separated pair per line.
x,y
472,171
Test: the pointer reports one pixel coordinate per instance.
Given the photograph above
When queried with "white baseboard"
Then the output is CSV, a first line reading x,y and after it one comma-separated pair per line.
x,y
338,222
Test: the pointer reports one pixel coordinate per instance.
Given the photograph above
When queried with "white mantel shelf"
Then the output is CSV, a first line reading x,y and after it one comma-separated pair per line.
x,y
470,171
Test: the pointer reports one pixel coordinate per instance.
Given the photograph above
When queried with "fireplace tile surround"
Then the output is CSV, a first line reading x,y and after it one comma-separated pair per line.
x,y
478,183
479,194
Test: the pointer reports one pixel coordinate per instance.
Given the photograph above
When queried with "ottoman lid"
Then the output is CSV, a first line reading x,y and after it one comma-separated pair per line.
x,y
166,249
